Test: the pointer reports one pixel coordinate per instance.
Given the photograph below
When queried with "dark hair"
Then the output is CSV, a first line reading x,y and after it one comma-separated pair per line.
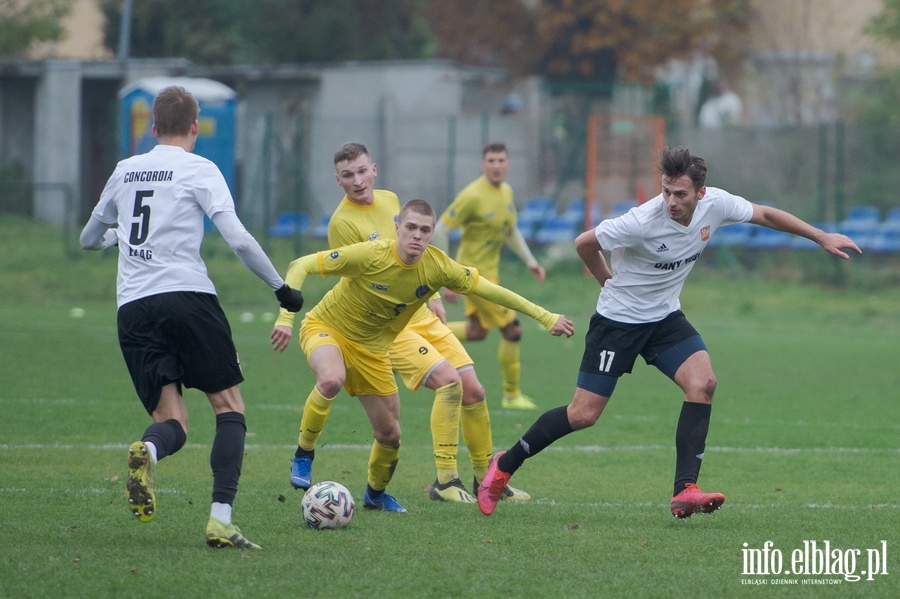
x,y
679,162
419,207
350,151
174,111
494,146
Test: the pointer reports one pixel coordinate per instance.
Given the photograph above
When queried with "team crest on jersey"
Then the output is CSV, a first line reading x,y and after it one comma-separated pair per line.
x,y
704,233
334,255
423,291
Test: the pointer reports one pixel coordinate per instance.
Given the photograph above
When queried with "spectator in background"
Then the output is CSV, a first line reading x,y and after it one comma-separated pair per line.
x,y
722,109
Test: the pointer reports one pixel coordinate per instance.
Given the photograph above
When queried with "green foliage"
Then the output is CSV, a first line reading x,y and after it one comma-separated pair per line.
x,y
23,23
609,39
273,31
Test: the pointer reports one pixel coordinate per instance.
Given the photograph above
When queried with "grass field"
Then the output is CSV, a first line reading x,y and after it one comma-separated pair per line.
x,y
803,441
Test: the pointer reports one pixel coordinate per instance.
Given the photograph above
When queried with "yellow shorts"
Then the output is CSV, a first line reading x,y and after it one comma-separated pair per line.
x,y
421,346
490,315
368,372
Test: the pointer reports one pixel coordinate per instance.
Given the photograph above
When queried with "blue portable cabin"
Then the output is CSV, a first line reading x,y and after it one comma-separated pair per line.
x,y
218,115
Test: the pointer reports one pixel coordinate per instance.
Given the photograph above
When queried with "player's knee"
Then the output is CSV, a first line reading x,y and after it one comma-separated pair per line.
x,y
443,374
473,392
513,331
583,416
702,390
476,334
330,386
388,435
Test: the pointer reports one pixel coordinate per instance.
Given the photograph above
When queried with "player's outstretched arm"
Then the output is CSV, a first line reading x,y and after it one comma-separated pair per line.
x,y
773,218
554,323
246,248
563,326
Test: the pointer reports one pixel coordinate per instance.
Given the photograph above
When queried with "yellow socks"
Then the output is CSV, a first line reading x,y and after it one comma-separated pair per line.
x,y
382,462
315,414
476,431
445,430
510,367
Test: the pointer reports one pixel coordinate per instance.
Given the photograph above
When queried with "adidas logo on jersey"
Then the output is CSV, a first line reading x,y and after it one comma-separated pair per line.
x,y
662,248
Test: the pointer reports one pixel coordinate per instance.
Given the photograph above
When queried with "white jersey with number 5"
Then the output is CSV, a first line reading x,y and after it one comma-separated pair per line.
x,y
157,201
652,254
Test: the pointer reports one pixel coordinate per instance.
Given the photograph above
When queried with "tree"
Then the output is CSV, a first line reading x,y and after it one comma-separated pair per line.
x,y
23,23
205,31
498,33
273,31
605,40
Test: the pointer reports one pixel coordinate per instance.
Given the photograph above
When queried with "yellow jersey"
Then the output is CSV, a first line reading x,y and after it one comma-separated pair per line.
x,y
379,293
352,223
485,215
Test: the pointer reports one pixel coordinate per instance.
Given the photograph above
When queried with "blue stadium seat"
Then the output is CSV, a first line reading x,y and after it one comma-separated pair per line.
x,y
766,238
732,235
887,239
535,212
557,230
622,206
290,224
321,230
866,213
861,231
893,216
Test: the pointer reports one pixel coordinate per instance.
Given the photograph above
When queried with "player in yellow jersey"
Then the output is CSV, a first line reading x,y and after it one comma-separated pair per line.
x,y
485,213
347,336
425,353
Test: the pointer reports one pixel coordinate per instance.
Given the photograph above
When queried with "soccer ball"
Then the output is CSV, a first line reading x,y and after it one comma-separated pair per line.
x,y
327,505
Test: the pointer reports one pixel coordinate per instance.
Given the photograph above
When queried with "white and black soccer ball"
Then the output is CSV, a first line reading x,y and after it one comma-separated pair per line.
x,y
327,505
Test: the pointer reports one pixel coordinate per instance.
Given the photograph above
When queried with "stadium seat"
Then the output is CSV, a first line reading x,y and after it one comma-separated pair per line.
x,y
766,238
535,212
732,235
893,216
290,224
557,230
622,206
887,238
863,213
862,231
321,230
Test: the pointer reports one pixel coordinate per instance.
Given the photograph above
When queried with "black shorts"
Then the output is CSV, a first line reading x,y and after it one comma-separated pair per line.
x,y
180,337
611,348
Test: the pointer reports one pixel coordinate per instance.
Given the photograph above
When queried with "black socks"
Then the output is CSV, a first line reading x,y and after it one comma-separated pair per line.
x,y
227,456
550,426
690,443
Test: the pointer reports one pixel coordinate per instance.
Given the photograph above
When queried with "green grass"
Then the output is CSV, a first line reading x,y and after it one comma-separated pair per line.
x,y
804,443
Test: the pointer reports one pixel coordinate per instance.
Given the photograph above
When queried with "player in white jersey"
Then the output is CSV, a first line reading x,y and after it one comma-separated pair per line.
x,y
653,248
172,331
